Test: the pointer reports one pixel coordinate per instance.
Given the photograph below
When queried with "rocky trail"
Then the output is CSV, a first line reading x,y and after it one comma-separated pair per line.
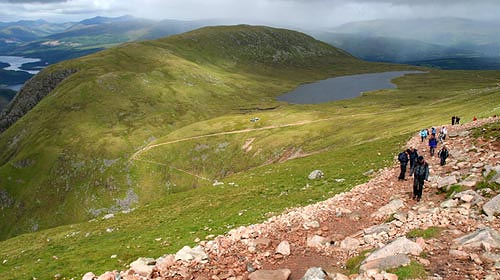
x,y
372,221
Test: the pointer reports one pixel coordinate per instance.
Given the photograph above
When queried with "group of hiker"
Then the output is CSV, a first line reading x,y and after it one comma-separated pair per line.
x,y
455,120
419,168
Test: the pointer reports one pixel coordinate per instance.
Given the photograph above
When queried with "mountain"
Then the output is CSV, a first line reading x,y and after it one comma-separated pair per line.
x,y
52,43
388,49
160,134
106,20
75,144
28,30
420,41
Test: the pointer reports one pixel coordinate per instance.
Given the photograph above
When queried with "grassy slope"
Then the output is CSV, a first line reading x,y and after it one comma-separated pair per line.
x,y
364,134
180,217
79,138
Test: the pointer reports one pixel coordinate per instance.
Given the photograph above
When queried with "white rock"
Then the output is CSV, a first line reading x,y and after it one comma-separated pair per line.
x,y
108,216
388,209
314,273
283,248
195,254
316,174
450,203
492,207
485,237
89,276
143,266
311,224
317,241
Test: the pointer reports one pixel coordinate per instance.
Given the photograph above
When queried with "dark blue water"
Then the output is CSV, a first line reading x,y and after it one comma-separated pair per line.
x,y
344,87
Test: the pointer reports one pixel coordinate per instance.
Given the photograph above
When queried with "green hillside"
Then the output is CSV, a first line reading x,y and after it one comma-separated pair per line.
x,y
67,160
141,128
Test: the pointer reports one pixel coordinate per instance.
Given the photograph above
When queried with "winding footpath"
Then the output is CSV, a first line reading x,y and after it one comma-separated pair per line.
x,y
316,241
136,155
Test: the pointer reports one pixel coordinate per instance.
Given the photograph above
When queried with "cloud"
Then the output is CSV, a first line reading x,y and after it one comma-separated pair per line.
x,y
287,13
32,1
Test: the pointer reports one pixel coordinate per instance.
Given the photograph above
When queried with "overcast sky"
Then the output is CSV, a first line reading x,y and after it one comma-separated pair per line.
x,y
300,13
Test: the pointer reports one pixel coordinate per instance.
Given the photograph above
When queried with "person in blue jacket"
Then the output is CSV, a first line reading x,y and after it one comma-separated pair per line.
x,y
420,174
423,134
432,144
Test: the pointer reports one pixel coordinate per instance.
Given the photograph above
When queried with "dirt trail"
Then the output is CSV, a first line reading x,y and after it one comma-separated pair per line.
x,y
149,147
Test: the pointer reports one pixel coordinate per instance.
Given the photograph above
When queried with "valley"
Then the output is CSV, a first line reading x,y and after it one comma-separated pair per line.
x,y
159,134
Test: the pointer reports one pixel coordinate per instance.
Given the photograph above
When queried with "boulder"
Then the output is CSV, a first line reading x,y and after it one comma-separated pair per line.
x,y
445,182
450,203
485,237
315,273
386,263
195,254
469,196
376,229
283,248
316,174
388,209
280,274
143,266
492,207
391,255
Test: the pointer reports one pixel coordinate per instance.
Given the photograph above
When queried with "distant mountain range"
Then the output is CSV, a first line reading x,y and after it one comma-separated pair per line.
x,y
55,42
470,44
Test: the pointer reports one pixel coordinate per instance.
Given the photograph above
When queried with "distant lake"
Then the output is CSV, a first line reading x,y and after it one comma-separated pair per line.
x,y
343,87
17,61
13,87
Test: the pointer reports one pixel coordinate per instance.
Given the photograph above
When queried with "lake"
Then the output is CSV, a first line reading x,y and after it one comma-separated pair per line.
x,y
17,61
343,87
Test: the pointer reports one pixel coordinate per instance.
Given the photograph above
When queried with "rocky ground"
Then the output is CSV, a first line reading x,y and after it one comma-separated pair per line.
x,y
375,220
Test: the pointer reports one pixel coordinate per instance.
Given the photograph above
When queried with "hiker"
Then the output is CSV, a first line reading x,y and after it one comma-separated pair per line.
x,y
420,173
413,158
457,120
443,155
453,120
433,131
432,144
442,134
403,161
423,134
474,119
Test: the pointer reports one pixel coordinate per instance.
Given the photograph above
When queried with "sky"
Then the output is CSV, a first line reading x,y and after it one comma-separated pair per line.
x,y
298,13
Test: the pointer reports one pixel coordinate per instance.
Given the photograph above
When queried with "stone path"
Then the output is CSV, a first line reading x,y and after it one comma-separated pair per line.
x,y
315,242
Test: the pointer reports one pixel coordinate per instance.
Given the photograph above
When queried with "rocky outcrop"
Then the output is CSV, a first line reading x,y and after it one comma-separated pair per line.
x,y
31,94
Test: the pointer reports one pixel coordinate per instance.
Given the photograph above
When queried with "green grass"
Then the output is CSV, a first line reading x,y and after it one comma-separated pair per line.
x,y
353,263
414,270
454,189
83,134
487,132
431,232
